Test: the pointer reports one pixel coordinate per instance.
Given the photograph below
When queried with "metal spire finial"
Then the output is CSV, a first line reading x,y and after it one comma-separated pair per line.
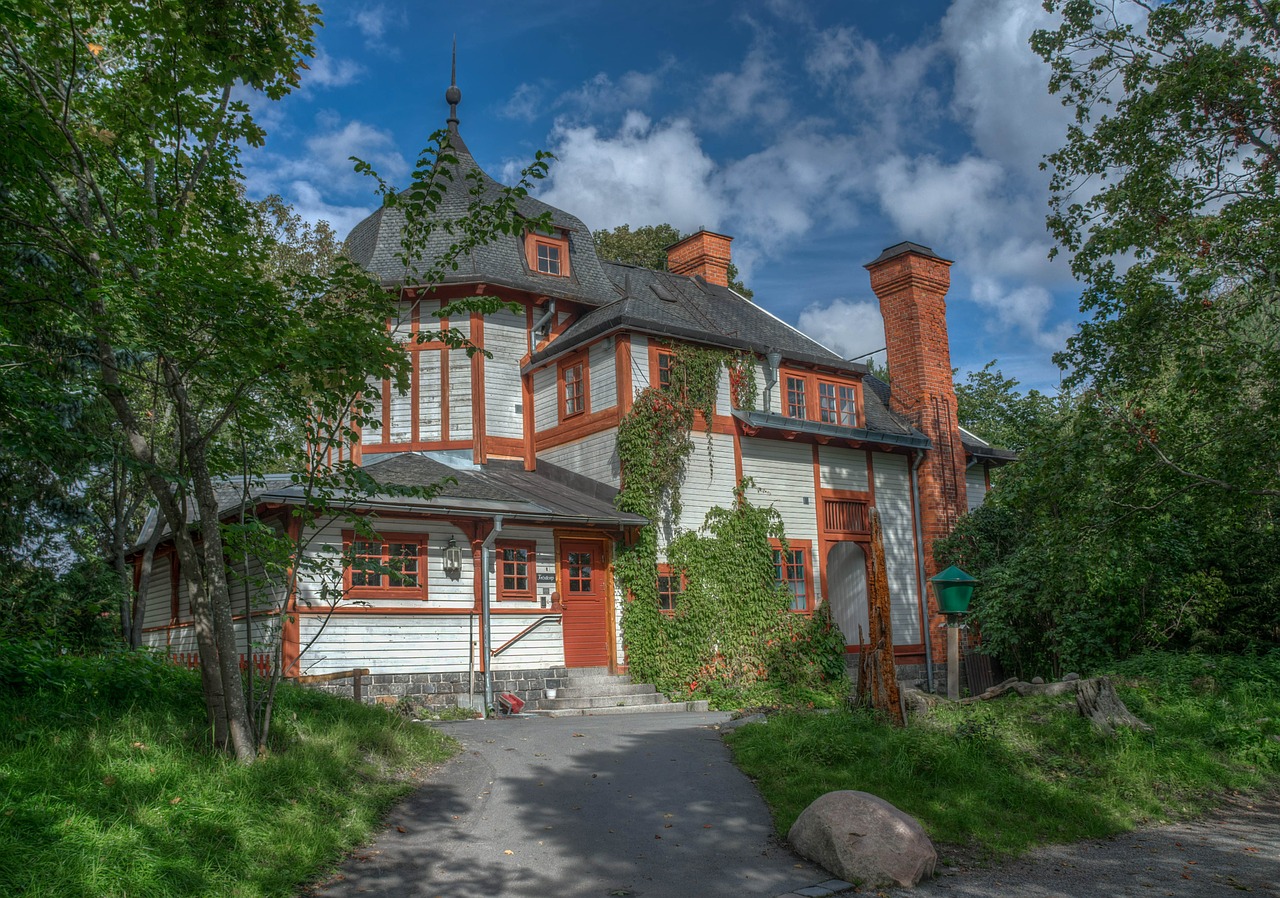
x,y
453,96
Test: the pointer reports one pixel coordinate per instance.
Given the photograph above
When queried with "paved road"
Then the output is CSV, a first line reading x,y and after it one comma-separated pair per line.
x,y
637,804
1232,851
649,805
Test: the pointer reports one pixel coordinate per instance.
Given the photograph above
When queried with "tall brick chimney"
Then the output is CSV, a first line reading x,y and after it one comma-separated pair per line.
x,y
704,253
911,283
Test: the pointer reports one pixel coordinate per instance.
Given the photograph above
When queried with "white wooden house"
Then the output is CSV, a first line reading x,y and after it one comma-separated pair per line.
x,y
530,435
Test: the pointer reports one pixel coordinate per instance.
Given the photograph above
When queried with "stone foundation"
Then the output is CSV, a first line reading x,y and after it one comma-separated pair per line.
x,y
447,690
916,675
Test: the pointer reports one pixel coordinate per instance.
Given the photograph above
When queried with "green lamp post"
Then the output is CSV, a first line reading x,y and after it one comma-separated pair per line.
x,y
953,589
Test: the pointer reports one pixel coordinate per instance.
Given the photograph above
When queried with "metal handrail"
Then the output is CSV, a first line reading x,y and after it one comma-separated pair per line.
x,y
523,633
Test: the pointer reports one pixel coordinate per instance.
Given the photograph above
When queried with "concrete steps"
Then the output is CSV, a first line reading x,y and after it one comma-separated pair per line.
x,y
594,691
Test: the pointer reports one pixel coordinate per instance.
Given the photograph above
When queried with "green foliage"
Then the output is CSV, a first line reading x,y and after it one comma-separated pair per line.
x,y
120,795
1090,549
731,637
646,247
74,611
991,406
1007,776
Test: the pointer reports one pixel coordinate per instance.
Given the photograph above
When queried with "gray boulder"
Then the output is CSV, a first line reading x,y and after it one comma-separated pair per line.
x,y
864,840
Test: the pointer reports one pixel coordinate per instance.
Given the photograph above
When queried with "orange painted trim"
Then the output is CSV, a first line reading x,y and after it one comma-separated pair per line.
x,y
807,546
622,362
403,611
290,636
580,362
820,515
504,447
532,240
579,427
526,412
922,590
737,455
531,573
444,396
383,448
388,592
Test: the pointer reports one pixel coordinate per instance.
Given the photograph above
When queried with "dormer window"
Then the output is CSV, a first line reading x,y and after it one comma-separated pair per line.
x,y
548,253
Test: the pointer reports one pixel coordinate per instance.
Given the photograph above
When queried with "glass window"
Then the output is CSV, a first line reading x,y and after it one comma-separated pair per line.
x,y
795,397
790,572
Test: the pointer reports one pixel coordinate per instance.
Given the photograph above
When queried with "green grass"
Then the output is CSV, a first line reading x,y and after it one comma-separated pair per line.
x,y
1002,776
108,788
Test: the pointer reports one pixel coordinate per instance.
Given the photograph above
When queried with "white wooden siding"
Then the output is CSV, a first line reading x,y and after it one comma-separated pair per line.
x,y
504,336
975,485
544,398
159,592
639,364
783,475
709,479
429,395
595,456
603,377
544,647
893,499
842,469
388,643
372,434
459,395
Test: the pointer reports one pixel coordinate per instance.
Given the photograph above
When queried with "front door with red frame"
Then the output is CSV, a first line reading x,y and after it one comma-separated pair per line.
x,y
586,609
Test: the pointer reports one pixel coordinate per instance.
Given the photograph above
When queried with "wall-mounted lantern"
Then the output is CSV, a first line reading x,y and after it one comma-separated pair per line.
x,y
953,589
452,563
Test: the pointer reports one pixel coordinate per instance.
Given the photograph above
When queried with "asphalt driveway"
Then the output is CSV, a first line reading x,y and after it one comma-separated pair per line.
x,y
632,804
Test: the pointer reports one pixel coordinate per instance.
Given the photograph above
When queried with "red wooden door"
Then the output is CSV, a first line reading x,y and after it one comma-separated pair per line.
x,y
586,609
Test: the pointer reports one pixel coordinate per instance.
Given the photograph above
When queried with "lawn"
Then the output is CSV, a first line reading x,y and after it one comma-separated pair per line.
x,y
108,788
1002,776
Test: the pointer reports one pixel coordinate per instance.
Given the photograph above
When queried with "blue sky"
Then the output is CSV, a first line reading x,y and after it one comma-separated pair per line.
x,y
815,134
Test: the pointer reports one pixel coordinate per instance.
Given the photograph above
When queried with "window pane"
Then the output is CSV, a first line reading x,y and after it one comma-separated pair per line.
x,y
795,397
827,412
548,258
402,558
848,407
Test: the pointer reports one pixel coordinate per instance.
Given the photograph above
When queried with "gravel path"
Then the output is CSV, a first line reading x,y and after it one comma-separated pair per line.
x,y
1234,849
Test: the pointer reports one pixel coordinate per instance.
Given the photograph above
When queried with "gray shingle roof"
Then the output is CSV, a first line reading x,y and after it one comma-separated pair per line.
x,y
375,243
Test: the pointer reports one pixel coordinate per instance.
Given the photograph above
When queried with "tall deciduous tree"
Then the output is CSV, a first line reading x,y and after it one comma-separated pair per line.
x,y
646,246
127,229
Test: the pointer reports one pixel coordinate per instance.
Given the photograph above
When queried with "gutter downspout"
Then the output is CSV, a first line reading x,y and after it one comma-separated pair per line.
x,y
924,583
485,548
537,325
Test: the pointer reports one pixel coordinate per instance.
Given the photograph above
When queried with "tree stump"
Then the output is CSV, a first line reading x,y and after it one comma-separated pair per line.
x,y
877,674
1096,699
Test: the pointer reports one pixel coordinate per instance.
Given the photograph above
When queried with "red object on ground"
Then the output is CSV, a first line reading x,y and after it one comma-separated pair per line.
x,y
509,703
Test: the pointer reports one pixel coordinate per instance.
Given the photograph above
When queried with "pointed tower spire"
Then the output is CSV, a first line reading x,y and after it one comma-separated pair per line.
x,y
453,96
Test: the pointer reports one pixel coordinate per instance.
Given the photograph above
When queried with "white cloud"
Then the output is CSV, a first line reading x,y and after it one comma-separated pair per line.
x,y
329,71
1024,309
374,20
755,92
644,174
1001,87
847,327
319,179
525,103
602,95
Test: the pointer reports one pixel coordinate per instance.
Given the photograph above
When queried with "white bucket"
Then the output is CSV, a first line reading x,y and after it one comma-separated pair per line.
x,y
551,693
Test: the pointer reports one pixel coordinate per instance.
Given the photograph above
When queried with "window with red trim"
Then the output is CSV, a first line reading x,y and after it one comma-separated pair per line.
x,y
670,586
548,254
517,571
795,397
393,566
791,570
666,361
837,404
573,386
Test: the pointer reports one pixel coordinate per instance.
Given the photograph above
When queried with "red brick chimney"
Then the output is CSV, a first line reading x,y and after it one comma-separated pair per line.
x,y
911,283
704,253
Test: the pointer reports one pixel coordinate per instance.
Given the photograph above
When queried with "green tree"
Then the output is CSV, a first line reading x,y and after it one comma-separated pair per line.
x,y
991,406
128,233
1165,197
646,247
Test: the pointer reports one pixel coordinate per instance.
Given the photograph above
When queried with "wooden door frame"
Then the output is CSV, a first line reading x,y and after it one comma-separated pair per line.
x,y
610,594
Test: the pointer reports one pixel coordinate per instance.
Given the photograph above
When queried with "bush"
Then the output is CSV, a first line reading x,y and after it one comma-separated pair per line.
x,y
77,611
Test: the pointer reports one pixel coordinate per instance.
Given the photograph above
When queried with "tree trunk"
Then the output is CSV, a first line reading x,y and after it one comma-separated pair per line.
x,y
877,674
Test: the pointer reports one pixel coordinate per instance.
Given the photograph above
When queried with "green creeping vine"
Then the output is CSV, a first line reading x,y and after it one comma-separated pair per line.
x,y
731,637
